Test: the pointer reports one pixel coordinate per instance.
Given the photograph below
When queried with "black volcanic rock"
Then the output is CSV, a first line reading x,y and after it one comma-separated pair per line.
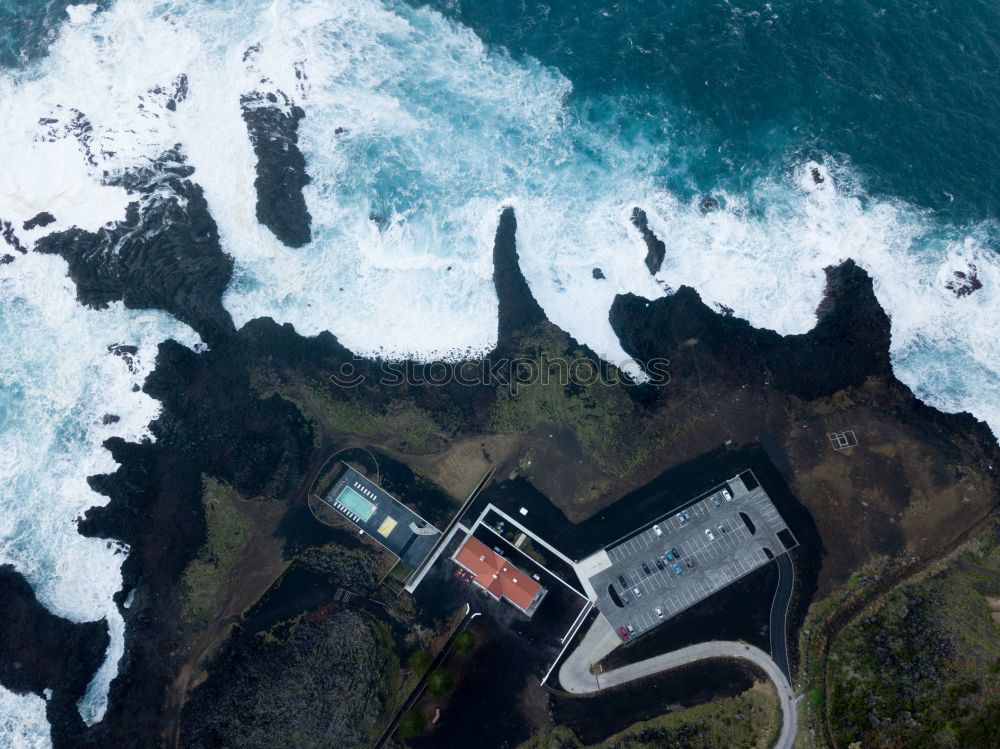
x,y
849,342
273,122
965,282
10,238
655,249
42,219
126,353
39,651
518,311
165,254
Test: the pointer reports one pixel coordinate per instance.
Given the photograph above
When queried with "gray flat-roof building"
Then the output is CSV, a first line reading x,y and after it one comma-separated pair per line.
x,y
383,517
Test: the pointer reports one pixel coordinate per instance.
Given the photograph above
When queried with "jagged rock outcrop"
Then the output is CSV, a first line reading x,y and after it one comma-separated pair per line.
x,y
41,651
326,680
164,255
655,249
849,342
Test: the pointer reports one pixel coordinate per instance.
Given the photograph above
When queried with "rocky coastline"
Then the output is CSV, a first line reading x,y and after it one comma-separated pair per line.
x,y
227,413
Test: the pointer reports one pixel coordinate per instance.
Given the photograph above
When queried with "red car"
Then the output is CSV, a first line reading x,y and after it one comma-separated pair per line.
x,y
623,632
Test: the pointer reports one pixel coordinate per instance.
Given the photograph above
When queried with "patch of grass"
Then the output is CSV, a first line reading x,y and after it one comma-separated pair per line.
x,y
598,414
915,669
750,720
409,427
226,534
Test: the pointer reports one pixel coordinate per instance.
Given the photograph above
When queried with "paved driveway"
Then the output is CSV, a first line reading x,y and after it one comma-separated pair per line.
x,y
601,639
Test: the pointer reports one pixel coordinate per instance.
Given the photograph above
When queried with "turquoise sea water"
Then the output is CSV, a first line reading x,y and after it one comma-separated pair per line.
x,y
907,90
421,122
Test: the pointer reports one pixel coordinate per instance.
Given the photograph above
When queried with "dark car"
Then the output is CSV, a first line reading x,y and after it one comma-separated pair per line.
x,y
645,568
623,632
625,598
621,579
677,554
691,564
660,565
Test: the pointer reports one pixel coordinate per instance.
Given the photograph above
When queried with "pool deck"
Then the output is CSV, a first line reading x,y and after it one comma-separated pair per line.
x,y
411,538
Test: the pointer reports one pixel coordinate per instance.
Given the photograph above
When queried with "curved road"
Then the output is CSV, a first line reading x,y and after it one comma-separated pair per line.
x,y
601,639
779,613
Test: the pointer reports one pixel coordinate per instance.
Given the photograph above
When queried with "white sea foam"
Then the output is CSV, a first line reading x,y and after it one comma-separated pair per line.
x,y
767,265
22,721
437,134
57,381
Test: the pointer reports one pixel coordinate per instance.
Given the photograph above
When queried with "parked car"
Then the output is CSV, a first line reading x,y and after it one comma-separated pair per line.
x,y
638,593
722,529
680,518
623,581
691,564
623,632
708,532
677,569
630,630
728,495
686,514
659,564
657,531
715,501
625,598
669,555
645,568
659,612
677,554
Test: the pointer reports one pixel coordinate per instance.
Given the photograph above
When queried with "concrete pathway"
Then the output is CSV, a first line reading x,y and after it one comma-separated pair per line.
x,y
601,639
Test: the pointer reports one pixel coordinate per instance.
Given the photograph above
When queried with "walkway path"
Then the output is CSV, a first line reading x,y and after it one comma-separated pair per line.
x,y
601,639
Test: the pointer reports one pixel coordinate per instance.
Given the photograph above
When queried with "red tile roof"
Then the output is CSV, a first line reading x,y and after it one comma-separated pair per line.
x,y
496,574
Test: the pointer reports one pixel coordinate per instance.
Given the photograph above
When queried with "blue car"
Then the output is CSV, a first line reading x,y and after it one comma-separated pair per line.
x,y
669,556
677,569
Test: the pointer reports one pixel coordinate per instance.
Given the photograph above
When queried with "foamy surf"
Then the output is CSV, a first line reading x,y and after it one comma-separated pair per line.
x,y
58,380
23,724
416,136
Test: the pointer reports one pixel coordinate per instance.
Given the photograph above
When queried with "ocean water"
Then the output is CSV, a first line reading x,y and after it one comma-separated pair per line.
x,y
422,123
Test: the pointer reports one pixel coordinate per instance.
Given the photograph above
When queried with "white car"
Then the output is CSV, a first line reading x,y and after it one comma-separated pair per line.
x,y
659,612
657,531
708,532
728,495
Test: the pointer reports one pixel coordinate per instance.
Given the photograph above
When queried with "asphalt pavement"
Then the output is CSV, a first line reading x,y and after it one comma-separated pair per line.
x,y
576,677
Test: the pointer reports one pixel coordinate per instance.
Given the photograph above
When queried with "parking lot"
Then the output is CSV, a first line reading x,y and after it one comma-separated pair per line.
x,y
709,546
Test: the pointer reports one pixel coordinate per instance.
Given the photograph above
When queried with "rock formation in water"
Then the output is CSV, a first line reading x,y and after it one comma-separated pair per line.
x,y
655,249
40,651
164,255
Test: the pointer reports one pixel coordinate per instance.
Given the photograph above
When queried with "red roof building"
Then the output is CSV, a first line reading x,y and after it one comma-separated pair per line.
x,y
498,577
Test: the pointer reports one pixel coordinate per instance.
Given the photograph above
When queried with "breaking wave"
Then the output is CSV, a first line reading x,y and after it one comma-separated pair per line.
x,y
416,135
